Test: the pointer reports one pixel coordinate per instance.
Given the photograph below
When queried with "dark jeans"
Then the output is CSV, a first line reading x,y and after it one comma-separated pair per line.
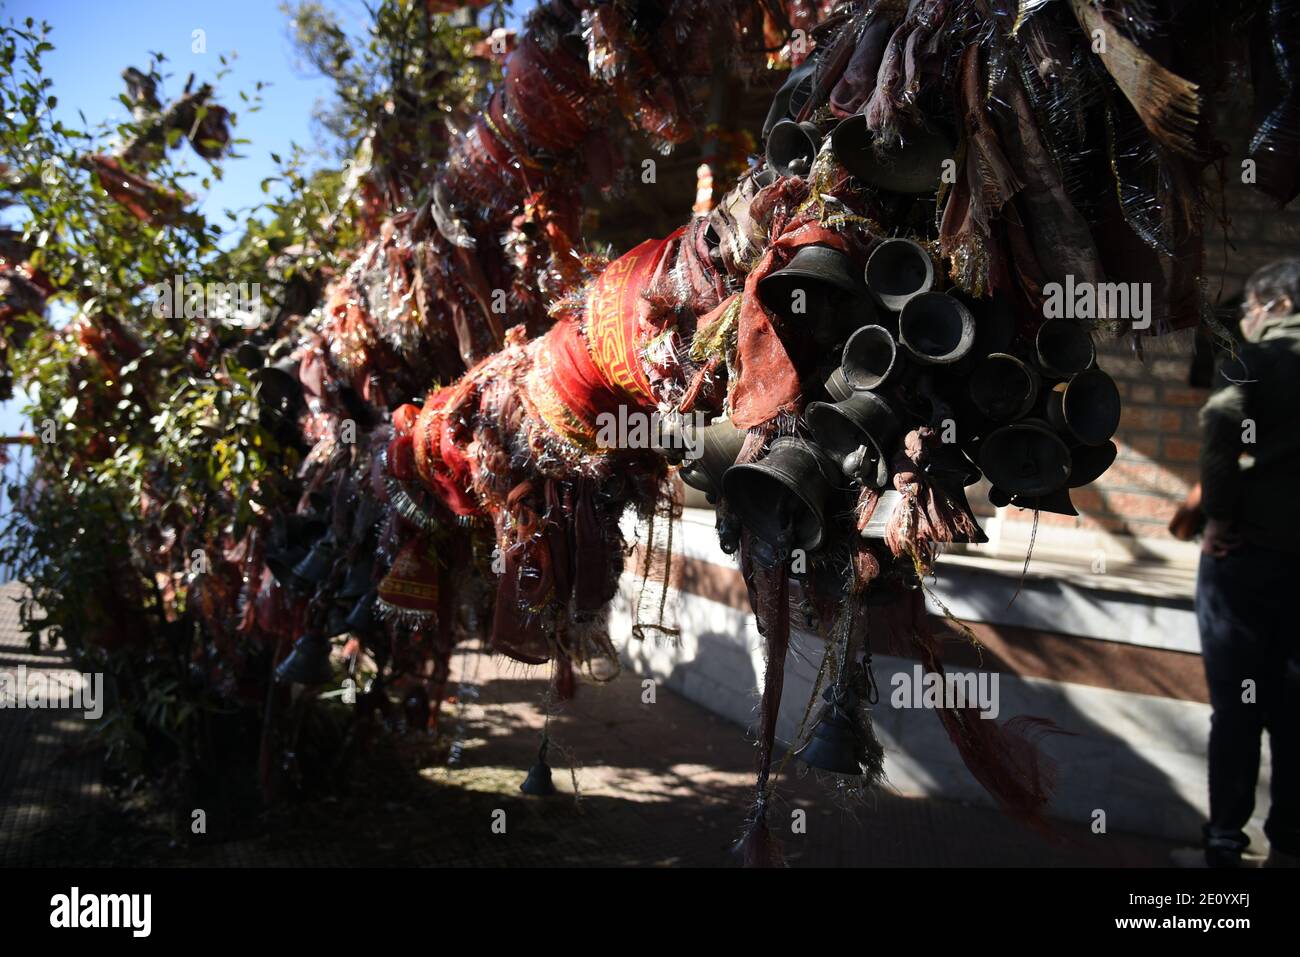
x,y
1248,609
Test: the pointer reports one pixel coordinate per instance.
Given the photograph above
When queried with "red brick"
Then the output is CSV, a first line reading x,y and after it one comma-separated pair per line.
x,y
1184,395
1128,367
1088,500
1141,392
1142,477
1171,370
1138,445
1181,450
1150,419
1137,506
1104,523
1061,521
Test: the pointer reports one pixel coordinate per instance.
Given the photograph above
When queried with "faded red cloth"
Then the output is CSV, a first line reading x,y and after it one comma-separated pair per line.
x,y
767,382
411,586
439,461
858,81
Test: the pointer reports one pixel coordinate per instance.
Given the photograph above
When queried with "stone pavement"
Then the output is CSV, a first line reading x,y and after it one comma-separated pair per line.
x,y
48,772
660,784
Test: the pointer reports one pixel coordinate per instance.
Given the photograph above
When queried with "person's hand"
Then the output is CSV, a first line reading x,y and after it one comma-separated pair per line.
x,y
1188,520
1186,523
1220,538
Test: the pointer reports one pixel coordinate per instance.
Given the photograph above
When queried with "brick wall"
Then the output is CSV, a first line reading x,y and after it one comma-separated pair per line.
x,y
1158,437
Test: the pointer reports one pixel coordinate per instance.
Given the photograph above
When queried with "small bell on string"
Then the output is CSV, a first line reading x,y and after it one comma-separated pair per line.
x,y
870,359
782,497
336,622
316,564
858,433
715,448
936,329
1003,387
279,385
539,783
792,147
1089,462
1064,348
308,663
281,562
1025,458
1086,408
817,291
358,579
835,745
789,100
361,619
899,270
911,165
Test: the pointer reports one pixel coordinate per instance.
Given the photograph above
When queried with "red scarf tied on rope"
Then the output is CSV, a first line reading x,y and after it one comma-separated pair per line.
x,y
767,382
583,371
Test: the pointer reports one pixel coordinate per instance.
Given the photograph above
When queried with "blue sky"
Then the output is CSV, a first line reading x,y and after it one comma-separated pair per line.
x,y
95,39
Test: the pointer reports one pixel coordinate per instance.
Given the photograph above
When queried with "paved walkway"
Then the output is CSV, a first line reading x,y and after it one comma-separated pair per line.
x,y
48,771
660,784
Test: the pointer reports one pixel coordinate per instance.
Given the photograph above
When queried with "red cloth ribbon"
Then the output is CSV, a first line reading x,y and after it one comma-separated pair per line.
x,y
767,382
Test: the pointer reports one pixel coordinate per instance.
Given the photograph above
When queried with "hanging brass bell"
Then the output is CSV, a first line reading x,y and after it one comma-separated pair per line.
x,y
897,271
948,464
836,386
792,95
912,164
792,147
936,329
279,386
316,564
1025,458
815,290
1057,501
870,359
361,619
358,579
308,663
1090,462
538,783
835,742
1087,407
281,562
715,447
1003,387
1064,348
858,433
336,621
781,498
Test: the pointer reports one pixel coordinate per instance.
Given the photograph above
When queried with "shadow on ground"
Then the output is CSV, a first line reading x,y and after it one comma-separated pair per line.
x,y
660,784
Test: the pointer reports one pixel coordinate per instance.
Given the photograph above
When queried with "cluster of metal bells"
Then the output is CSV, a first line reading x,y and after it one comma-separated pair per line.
x,y
783,497
835,743
819,291
308,663
1053,414
910,162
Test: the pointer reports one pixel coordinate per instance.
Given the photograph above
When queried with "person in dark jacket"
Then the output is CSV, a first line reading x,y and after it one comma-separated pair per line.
x,y
1248,583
